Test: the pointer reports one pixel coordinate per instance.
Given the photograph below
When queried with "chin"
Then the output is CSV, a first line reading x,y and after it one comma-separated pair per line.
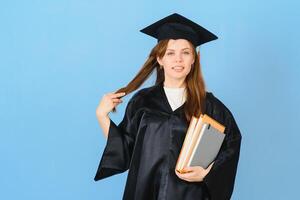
x,y
178,76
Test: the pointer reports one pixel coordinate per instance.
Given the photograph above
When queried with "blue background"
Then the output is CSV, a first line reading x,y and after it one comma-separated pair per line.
x,y
58,58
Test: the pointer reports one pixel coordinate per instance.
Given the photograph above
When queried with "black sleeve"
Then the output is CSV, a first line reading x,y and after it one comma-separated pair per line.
x,y
220,179
118,150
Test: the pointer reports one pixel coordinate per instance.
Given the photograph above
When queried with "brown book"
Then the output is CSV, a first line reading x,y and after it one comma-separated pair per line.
x,y
202,143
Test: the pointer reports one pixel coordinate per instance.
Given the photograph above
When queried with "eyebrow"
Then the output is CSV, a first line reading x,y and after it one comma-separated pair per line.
x,y
181,49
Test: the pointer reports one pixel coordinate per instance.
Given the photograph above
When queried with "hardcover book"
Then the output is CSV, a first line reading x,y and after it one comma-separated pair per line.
x,y
202,143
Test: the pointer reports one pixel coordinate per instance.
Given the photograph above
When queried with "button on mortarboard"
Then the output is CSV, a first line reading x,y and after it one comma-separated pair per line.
x,y
176,26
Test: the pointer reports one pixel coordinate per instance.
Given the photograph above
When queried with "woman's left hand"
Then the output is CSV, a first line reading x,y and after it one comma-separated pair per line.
x,y
195,173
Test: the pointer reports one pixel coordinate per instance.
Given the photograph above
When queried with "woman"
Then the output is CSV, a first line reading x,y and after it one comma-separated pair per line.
x,y
149,138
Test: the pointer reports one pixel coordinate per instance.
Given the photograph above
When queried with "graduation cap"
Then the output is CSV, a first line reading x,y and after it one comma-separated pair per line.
x,y
176,26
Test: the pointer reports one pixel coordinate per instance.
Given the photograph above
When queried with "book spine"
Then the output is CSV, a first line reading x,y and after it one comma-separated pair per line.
x,y
187,140
192,143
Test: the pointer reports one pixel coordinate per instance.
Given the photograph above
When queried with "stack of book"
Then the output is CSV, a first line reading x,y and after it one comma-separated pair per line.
x,y
202,143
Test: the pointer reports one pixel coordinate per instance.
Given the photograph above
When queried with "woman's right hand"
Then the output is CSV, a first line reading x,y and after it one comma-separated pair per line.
x,y
108,102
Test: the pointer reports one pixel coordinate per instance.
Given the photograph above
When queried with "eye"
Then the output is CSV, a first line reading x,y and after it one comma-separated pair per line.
x,y
170,53
186,53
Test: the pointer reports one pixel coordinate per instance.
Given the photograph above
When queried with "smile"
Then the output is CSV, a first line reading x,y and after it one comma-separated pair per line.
x,y
178,68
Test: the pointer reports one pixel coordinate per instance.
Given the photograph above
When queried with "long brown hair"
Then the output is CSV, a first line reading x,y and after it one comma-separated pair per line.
x,y
195,101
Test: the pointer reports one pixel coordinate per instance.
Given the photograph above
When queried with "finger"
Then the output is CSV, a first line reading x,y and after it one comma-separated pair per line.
x,y
193,168
210,166
179,174
186,175
108,94
188,169
117,100
117,95
115,104
185,178
114,95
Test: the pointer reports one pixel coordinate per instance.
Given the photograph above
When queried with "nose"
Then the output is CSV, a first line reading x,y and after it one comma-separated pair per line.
x,y
178,57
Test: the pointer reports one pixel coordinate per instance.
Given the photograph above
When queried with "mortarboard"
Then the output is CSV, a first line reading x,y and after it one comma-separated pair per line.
x,y
176,26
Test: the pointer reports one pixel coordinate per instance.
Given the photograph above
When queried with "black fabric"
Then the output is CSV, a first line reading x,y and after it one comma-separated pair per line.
x,y
148,141
176,26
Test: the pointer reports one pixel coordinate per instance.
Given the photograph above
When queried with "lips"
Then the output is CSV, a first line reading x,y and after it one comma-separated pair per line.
x,y
178,68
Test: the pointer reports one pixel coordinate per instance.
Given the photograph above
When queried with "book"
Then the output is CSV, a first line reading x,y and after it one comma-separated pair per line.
x,y
203,140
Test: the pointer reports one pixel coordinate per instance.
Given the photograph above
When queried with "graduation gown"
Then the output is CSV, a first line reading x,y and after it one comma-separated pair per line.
x,y
148,141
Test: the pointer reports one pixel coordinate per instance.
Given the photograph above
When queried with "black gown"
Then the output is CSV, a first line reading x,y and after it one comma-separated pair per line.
x,y
148,141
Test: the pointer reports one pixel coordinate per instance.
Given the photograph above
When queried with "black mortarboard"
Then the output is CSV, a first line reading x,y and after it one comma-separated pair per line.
x,y
176,26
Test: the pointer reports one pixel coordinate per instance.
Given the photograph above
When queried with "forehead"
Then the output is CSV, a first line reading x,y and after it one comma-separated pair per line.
x,y
179,44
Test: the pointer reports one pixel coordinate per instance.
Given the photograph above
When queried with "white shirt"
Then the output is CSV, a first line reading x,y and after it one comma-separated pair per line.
x,y
176,96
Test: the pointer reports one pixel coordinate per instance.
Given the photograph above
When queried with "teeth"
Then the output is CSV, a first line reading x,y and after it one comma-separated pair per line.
x,y
178,67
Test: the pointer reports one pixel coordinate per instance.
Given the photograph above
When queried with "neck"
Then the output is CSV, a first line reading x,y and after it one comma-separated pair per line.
x,y
174,83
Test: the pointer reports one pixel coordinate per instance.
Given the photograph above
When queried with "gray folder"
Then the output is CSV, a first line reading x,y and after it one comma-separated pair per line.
x,y
208,146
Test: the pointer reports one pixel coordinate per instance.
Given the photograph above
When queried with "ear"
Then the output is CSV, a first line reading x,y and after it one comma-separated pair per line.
x,y
159,60
193,62
198,54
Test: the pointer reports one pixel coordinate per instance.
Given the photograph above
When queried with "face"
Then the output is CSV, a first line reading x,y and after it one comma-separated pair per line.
x,y
177,60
